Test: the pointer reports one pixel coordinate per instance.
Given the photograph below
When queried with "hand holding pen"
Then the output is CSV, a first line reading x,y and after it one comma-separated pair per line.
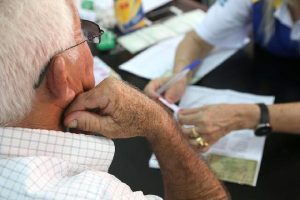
x,y
170,88
177,77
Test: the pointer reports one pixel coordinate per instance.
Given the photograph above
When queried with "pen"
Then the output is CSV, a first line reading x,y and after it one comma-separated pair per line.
x,y
178,76
173,107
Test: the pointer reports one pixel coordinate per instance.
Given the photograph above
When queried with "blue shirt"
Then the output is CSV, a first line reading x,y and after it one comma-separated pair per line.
x,y
280,44
228,24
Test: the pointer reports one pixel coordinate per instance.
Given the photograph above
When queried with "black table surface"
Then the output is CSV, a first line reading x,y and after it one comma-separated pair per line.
x,y
259,73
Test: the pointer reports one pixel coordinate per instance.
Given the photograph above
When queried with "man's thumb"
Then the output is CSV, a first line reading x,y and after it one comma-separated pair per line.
x,y
85,121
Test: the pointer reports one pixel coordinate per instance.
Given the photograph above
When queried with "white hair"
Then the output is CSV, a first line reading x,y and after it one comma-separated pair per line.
x,y
32,32
268,23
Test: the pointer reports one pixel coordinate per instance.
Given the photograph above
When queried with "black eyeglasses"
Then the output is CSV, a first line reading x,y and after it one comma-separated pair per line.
x,y
91,32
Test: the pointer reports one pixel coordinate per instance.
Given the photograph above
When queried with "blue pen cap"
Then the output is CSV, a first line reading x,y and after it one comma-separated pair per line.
x,y
193,65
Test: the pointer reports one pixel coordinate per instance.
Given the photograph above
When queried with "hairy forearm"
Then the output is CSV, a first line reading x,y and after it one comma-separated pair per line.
x,y
185,174
192,47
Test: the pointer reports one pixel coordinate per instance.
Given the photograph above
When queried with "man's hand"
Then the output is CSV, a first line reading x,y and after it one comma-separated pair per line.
x,y
215,121
118,111
172,95
115,110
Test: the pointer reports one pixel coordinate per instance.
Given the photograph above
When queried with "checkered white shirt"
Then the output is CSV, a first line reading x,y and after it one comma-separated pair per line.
x,y
41,164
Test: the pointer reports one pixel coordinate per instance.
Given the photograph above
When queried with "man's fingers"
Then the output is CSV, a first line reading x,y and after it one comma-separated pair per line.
x,y
87,121
87,101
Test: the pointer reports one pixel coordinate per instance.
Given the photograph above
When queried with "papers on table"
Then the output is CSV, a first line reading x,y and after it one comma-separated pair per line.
x,y
155,61
141,39
158,60
149,5
237,156
102,71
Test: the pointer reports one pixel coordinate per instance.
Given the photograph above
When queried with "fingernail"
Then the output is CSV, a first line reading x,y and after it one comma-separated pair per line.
x,y
73,124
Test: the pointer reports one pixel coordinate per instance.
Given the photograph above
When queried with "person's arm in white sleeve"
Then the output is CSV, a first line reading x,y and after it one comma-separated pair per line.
x,y
225,25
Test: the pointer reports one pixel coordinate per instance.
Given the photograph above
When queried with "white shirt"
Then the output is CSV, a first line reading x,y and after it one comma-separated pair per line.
x,y
228,23
41,164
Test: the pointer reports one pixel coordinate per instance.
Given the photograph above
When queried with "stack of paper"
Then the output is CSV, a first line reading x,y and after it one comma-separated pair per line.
x,y
175,26
237,156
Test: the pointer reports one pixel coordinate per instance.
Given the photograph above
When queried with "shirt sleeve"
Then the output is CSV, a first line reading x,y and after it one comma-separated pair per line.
x,y
226,23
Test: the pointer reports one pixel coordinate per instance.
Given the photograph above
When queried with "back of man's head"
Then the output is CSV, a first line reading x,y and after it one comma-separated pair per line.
x,y
32,31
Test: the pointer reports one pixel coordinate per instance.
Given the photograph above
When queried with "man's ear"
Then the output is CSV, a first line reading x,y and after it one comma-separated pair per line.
x,y
57,82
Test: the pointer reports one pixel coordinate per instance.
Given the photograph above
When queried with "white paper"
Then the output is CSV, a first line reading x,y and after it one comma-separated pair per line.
x,y
149,5
238,144
102,71
178,25
158,60
158,32
155,61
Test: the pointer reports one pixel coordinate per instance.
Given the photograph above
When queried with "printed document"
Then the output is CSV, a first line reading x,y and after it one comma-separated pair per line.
x,y
237,156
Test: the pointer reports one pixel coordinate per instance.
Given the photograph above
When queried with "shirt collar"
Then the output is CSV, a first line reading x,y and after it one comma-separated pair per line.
x,y
82,151
283,15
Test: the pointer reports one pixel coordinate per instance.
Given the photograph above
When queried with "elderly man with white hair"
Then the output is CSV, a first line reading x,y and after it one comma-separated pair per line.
x,y
47,84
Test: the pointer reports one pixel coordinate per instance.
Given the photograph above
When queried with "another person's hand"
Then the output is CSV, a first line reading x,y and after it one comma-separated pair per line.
x,y
172,95
118,111
115,110
215,121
